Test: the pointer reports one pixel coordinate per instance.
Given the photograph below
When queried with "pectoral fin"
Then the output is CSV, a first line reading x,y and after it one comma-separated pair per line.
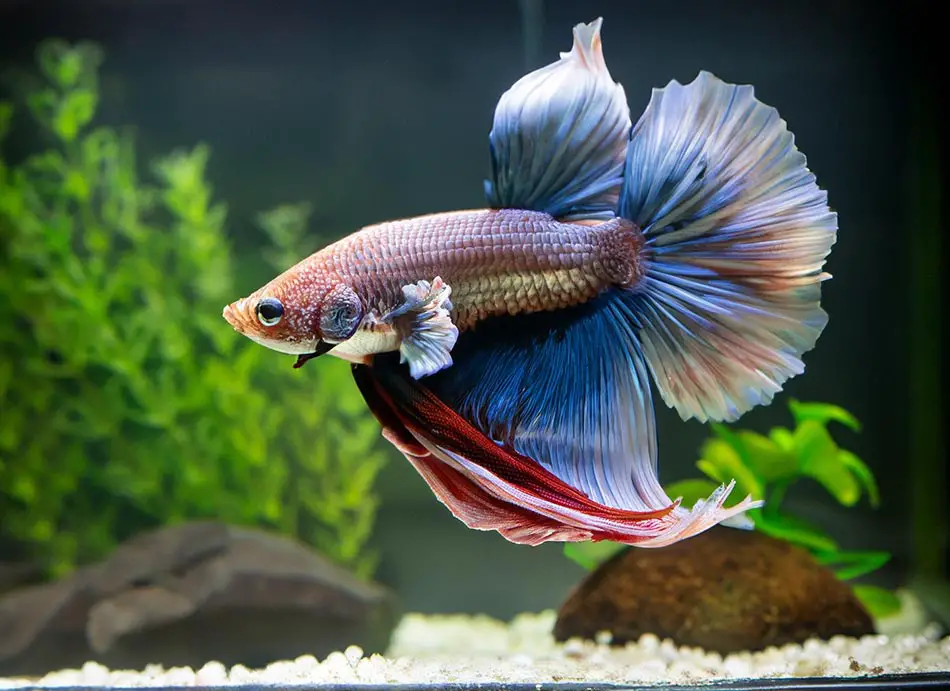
x,y
425,326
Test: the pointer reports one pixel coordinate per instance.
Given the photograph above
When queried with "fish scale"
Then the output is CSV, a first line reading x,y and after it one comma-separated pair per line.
x,y
496,261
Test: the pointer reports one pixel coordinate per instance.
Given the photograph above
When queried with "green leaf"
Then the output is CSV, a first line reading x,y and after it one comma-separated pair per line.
x,y
769,461
691,491
60,63
590,555
42,530
879,603
848,565
819,459
74,112
863,475
722,462
822,413
782,438
796,531
76,186
69,69
23,488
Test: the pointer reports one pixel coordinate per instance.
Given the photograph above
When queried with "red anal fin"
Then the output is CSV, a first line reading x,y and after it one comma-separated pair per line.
x,y
404,407
383,410
465,499
479,510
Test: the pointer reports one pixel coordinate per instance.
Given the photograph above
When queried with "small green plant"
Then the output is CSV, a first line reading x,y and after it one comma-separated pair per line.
x,y
126,401
766,467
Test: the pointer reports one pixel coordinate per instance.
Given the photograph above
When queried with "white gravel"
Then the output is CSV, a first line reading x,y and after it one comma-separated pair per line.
x,y
441,649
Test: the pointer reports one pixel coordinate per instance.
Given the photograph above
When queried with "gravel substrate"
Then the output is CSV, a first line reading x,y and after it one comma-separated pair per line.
x,y
463,649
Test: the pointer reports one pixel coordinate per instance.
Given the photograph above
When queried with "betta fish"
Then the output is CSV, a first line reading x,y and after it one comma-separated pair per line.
x,y
508,352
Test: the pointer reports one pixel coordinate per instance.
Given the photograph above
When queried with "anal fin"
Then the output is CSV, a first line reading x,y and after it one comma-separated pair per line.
x,y
493,487
546,416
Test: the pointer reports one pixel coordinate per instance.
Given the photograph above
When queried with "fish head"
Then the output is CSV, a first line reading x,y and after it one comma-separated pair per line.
x,y
305,312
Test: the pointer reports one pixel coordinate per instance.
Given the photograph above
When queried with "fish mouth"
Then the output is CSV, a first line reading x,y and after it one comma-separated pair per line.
x,y
322,348
241,316
243,319
234,315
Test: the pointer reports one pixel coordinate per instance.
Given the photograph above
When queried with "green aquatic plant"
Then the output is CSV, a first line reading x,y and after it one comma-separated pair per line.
x,y
126,401
766,467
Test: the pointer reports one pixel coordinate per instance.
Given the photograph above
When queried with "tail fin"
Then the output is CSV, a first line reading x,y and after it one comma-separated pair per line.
x,y
737,233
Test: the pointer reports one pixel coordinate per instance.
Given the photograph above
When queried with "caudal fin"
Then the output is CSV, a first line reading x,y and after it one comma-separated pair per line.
x,y
737,232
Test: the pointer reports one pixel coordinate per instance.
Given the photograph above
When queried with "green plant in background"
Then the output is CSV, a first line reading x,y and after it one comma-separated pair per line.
x,y
126,401
765,467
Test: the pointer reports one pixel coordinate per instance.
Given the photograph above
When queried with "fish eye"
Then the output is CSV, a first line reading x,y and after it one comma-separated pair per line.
x,y
269,311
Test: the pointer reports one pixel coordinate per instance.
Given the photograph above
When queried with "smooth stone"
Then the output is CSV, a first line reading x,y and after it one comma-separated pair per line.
x,y
190,594
724,590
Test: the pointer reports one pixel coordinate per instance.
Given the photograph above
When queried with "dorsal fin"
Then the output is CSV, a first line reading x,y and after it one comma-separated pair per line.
x,y
559,136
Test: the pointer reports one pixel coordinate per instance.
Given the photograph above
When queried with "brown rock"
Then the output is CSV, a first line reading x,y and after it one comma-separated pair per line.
x,y
191,594
131,611
44,622
725,590
166,552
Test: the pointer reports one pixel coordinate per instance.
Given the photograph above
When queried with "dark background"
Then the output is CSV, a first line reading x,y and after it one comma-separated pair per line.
x,y
378,110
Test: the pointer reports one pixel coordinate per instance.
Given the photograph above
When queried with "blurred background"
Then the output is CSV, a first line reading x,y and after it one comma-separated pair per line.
x,y
126,402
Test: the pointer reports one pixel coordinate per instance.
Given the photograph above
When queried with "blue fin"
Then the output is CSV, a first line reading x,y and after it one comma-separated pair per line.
x,y
568,389
560,135
425,325
737,233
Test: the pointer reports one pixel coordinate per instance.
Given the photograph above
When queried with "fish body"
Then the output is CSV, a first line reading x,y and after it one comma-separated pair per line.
x,y
508,352
498,261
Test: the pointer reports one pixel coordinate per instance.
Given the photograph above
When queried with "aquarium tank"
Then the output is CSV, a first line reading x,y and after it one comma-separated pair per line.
x,y
485,440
